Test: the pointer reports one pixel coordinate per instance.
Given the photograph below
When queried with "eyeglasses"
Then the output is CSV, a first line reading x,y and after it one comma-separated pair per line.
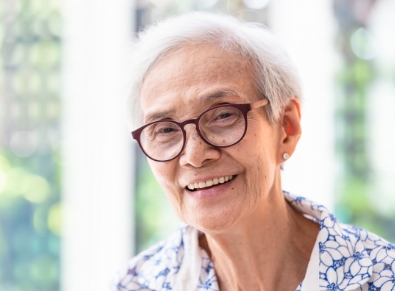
x,y
220,126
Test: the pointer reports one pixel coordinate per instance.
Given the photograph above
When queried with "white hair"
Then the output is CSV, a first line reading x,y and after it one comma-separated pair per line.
x,y
275,77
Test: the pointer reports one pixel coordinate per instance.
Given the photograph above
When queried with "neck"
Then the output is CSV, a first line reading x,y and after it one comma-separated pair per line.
x,y
268,250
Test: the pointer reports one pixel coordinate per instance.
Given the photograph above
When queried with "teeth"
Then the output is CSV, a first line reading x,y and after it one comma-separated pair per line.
x,y
209,183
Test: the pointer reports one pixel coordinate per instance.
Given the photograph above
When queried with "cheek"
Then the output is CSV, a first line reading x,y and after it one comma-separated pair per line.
x,y
259,152
263,142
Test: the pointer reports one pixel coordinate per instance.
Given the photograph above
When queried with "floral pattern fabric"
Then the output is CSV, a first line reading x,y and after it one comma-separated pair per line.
x,y
344,258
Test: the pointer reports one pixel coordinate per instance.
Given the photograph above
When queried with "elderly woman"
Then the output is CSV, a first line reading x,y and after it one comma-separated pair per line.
x,y
218,102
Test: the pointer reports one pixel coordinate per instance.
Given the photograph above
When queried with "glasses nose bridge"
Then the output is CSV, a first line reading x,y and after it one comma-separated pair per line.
x,y
194,121
189,121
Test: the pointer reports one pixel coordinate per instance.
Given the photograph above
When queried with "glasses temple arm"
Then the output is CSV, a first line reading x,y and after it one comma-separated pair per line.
x,y
259,103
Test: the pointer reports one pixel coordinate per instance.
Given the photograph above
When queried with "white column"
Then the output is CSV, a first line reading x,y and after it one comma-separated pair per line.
x,y
306,28
97,151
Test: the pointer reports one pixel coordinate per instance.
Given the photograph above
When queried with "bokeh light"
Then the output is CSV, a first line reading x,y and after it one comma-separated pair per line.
x,y
15,181
54,219
23,143
363,44
36,189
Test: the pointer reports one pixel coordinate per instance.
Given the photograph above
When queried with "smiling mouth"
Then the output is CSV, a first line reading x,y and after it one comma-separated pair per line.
x,y
209,183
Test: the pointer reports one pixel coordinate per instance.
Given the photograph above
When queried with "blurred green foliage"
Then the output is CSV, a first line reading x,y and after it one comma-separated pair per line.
x,y
354,188
30,177
29,223
155,219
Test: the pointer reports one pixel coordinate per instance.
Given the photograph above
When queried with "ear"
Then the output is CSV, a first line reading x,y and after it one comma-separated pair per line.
x,y
290,129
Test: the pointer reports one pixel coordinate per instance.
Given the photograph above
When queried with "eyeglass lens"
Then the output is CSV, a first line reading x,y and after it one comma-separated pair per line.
x,y
221,126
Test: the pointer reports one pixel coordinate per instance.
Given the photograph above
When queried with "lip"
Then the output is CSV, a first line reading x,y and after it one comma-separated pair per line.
x,y
213,191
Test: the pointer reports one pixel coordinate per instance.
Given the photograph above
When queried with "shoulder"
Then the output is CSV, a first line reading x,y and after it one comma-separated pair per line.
x,y
382,256
377,247
153,268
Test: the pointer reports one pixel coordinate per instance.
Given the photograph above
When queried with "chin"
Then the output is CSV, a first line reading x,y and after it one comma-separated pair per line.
x,y
213,220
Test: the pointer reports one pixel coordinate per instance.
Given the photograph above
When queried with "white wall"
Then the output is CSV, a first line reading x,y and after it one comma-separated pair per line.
x,y
97,156
306,29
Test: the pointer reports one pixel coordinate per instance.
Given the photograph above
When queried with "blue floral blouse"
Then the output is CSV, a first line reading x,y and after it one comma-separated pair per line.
x,y
344,258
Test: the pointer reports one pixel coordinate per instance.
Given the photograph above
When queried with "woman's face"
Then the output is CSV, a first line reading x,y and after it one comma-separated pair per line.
x,y
181,87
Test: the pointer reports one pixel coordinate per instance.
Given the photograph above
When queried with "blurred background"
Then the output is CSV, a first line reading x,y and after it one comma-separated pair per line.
x,y
77,198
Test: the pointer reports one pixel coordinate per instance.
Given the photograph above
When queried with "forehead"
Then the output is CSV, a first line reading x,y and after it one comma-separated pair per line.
x,y
187,78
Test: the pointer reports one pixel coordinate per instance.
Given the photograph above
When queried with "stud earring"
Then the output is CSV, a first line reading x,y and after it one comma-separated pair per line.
x,y
285,156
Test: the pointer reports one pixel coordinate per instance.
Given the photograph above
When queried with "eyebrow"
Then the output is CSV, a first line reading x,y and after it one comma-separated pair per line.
x,y
218,94
205,99
159,115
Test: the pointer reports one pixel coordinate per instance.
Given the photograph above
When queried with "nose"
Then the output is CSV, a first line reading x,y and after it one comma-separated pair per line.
x,y
196,151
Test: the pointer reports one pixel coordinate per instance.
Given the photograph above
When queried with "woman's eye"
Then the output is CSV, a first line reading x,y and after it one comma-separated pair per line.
x,y
224,115
166,130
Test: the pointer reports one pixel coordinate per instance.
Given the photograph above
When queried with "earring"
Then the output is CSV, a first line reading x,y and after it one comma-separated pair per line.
x,y
285,156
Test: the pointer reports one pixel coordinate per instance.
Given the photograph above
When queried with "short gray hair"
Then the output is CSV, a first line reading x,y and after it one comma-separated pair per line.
x,y
276,77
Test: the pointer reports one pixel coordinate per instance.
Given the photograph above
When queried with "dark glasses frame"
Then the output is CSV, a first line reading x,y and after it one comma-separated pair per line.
x,y
244,109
